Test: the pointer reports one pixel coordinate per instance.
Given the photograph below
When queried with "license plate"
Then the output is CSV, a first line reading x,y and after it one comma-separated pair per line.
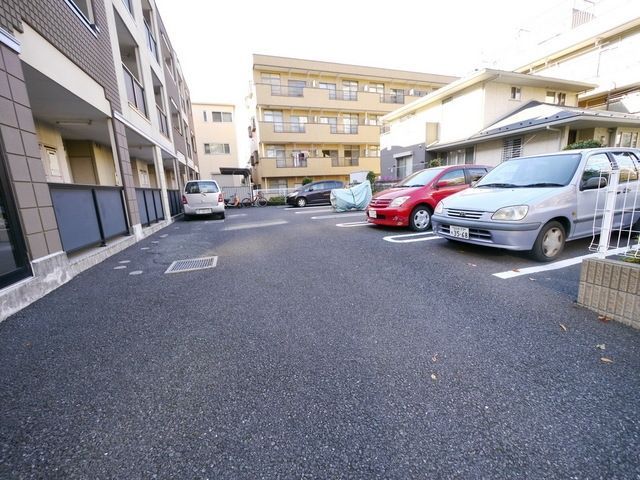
x,y
203,210
459,232
372,214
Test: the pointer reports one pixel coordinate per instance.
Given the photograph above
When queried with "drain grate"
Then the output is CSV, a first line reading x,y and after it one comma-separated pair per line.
x,y
192,264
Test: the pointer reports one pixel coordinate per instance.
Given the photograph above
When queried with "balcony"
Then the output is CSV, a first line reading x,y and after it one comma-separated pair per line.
x,y
135,91
162,121
321,98
282,132
315,166
151,41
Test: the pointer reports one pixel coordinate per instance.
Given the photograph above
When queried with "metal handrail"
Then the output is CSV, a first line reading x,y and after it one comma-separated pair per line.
x,y
151,40
135,90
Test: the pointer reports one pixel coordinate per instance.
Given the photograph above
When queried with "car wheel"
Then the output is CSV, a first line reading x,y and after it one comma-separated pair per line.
x,y
550,242
420,218
301,202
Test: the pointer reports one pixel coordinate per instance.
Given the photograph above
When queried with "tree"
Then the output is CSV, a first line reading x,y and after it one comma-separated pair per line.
x,y
371,177
306,180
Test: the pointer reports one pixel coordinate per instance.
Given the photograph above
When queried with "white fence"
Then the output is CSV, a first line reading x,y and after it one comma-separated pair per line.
x,y
616,220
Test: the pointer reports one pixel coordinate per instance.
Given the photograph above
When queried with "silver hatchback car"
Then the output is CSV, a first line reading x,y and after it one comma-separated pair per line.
x,y
537,203
202,197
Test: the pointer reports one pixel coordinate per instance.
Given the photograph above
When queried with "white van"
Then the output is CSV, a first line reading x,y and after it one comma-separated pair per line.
x,y
537,203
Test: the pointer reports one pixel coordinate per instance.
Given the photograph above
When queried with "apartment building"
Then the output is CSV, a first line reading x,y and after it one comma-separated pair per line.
x,y
216,140
591,41
322,120
95,137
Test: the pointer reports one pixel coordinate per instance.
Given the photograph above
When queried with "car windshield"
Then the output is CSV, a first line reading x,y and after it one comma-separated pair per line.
x,y
201,187
532,172
420,179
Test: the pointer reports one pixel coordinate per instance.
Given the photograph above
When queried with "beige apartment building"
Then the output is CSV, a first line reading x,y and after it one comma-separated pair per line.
x,y
322,120
216,140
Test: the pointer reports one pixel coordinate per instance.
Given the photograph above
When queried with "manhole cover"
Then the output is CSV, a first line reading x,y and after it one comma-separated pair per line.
x,y
192,264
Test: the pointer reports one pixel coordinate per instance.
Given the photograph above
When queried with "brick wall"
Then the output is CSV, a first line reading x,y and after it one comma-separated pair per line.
x,y
26,172
611,288
58,23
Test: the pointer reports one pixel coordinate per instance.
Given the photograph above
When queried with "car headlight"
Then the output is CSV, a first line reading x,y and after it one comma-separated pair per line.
x,y
398,201
439,208
511,213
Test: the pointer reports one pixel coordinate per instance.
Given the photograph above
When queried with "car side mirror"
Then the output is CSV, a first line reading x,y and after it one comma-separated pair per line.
x,y
594,183
442,184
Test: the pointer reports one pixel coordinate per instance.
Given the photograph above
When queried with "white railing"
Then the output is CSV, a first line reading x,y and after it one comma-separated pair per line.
x,y
616,220
274,192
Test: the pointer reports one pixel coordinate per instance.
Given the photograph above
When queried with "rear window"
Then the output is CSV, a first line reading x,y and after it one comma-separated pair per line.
x,y
201,187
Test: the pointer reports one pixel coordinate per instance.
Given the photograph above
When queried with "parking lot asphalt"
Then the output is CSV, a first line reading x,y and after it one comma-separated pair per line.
x,y
316,348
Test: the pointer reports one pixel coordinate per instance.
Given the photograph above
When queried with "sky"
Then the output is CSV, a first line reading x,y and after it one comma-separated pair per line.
x,y
215,40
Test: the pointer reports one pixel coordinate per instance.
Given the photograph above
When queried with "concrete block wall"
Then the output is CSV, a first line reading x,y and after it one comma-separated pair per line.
x,y
611,288
26,172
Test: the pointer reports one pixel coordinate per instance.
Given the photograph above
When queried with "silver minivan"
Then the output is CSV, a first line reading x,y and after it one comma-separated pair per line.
x,y
202,197
538,203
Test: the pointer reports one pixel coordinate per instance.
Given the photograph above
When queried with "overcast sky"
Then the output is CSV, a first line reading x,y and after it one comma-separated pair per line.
x,y
215,40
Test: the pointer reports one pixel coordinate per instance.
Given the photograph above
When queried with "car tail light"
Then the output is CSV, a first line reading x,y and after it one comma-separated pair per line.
x,y
220,198
184,200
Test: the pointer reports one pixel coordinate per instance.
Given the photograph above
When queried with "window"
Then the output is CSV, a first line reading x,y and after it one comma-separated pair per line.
x,y
278,183
216,148
296,88
271,78
515,93
453,178
277,152
332,121
511,148
329,86
297,123
350,123
598,166
373,151
350,90
221,117
396,96
404,166
204,115
373,120
476,174
202,186
628,169
351,157
557,98
376,87
84,8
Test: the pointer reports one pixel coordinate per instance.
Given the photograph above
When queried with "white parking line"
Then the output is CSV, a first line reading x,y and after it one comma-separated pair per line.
x,y
237,215
338,215
256,225
353,224
314,211
553,266
410,237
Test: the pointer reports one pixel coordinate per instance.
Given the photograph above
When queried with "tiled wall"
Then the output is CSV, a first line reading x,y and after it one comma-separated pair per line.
x,y
25,167
56,21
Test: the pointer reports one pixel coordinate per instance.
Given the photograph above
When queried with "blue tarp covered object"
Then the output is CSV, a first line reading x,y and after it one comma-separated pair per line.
x,y
354,198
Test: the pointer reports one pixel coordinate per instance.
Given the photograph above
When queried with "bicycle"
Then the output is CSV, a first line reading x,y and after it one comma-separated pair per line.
x,y
258,199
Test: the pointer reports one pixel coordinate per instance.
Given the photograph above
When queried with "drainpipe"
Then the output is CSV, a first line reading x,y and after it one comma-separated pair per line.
x,y
560,131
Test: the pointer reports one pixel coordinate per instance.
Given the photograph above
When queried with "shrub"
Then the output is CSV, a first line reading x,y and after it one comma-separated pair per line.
x,y
371,177
306,180
583,144
276,201
436,162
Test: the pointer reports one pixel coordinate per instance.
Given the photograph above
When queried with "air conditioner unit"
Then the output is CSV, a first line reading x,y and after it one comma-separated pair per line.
x,y
412,92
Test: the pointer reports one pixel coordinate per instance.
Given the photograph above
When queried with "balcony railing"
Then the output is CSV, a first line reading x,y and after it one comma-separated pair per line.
x,y
284,162
287,91
288,127
135,91
344,129
149,205
289,161
151,41
162,120
88,215
345,162
392,98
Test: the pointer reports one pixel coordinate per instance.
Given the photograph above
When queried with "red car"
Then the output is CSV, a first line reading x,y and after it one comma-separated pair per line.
x,y
410,203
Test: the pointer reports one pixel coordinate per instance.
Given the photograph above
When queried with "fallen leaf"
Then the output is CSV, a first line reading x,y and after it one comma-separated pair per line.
x,y
434,358
606,360
564,329
603,318
600,346
433,376
515,270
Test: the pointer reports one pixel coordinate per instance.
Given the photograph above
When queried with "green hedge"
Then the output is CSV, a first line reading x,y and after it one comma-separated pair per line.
x,y
276,201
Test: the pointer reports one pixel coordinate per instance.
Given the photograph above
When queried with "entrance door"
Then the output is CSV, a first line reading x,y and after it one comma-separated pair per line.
x,y
14,264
